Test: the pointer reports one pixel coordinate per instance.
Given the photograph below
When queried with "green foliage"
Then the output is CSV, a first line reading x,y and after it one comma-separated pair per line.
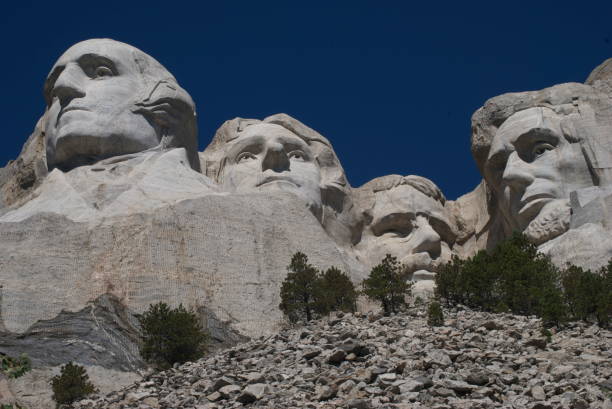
x,y
299,290
514,277
15,367
171,335
518,279
11,406
435,316
335,292
388,284
588,295
306,293
71,384
546,333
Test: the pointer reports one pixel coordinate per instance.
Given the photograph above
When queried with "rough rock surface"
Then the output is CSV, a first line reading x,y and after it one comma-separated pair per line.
x,y
228,254
478,360
103,337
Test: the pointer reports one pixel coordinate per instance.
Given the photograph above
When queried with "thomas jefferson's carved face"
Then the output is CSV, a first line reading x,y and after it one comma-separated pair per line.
x,y
90,93
533,168
268,157
410,226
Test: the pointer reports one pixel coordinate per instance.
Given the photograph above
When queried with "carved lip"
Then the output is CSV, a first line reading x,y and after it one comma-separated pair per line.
x,y
70,108
534,202
271,179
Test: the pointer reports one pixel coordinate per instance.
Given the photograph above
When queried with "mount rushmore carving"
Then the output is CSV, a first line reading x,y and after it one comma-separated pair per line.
x,y
110,196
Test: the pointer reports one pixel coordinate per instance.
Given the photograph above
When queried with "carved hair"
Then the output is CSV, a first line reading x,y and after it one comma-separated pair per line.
x,y
388,182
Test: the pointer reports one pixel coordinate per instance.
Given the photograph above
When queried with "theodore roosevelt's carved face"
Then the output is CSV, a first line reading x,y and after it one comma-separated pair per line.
x,y
269,157
408,224
533,168
91,92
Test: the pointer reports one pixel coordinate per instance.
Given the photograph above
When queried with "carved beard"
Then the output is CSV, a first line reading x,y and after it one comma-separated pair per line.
x,y
552,221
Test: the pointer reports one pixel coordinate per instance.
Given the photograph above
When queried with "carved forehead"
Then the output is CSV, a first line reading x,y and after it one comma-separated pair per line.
x,y
116,51
528,119
265,130
405,198
124,56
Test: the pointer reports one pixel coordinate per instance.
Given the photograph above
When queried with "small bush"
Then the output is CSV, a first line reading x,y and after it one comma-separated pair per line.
x,y
335,292
171,335
435,316
71,384
15,367
388,284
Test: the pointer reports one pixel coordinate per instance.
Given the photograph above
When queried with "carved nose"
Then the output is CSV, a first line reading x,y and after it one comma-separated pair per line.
x,y
427,240
516,173
68,85
276,159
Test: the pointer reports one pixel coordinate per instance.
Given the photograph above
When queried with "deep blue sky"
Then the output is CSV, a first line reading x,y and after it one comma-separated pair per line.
x,y
393,85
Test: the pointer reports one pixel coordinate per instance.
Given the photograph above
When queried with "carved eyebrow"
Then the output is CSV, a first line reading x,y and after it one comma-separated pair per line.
x,y
536,134
92,58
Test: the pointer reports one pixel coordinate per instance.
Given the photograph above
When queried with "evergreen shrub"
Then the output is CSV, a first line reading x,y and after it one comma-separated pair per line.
x,y
171,335
71,384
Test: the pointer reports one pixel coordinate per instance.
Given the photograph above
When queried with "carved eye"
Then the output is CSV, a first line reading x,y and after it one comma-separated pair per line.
x,y
103,71
541,148
245,157
297,155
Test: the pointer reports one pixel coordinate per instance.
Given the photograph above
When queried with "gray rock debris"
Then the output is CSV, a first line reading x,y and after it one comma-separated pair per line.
x,y
402,363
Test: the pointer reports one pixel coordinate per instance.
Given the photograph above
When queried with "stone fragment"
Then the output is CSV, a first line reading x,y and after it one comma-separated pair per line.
x,y
336,357
221,382
151,401
326,393
214,397
437,357
358,404
229,390
537,392
311,353
479,378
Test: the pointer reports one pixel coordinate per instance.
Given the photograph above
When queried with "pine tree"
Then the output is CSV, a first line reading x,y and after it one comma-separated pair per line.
x,y
335,292
388,284
171,335
299,290
71,384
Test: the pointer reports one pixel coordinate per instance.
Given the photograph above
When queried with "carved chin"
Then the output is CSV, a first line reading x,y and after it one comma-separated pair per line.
x,y
552,221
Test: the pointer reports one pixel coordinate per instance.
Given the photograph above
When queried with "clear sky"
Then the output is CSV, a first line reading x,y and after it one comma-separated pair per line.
x,y
391,84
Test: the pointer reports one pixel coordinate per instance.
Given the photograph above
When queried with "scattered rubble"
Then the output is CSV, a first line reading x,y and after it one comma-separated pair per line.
x,y
478,360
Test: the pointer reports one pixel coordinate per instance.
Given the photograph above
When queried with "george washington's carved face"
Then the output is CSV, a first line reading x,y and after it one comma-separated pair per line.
x,y
90,93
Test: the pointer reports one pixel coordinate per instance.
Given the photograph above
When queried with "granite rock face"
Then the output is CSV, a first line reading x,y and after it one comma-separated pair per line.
x,y
110,208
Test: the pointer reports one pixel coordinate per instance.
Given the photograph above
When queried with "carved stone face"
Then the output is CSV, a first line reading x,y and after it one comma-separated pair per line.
x,y
409,225
91,92
268,157
533,168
